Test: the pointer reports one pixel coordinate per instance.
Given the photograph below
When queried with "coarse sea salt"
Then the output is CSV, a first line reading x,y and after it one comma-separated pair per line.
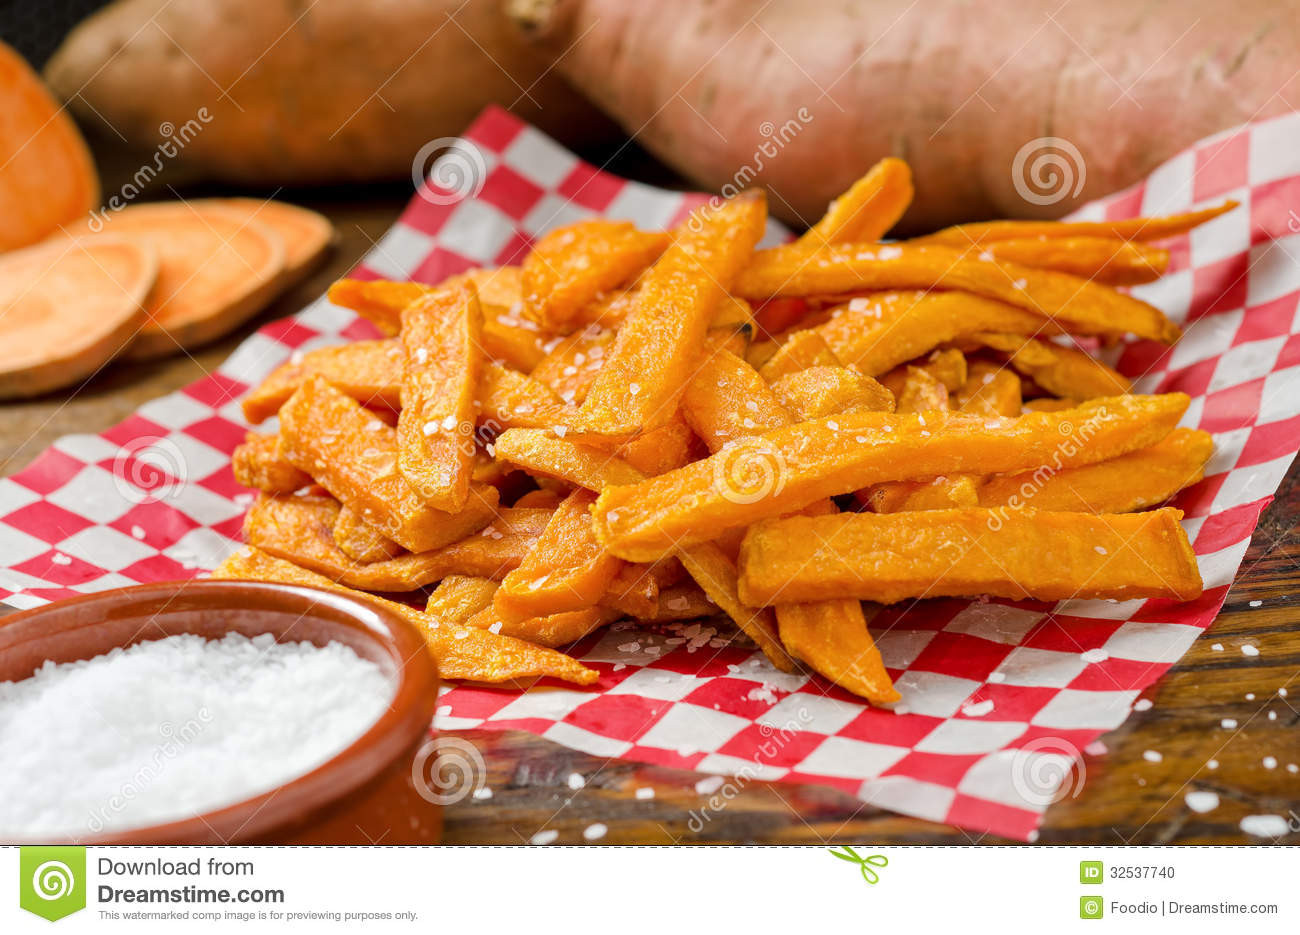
x,y
171,728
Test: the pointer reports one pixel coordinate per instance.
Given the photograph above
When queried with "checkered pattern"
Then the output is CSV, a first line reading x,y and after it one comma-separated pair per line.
x,y
999,697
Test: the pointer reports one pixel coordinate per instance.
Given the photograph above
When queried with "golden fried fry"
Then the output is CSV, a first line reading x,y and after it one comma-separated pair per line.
x,y
916,389
571,363
354,456
559,629
539,452
1073,303
813,460
1143,229
360,541
1062,371
832,637
825,391
368,371
941,493
566,569
801,350
726,399
441,339
964,553
257,464
651,359
460,652
459,597
1100,259
1135,481
868,209
990,390
571,266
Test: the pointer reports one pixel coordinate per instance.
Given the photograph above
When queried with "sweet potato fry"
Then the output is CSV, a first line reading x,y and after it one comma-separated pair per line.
x,y
301,529
559,629
877,333
813,460
354,456
379,301
658,450
1073,303
460,652
360,541
539,452
567,568
441,337
368,371
1049,404
832,637
916,389
634,591
1062,371
570,266
257,464
1143,229
726,399
868,209
572,363
457,598
964,553
508,399
644,371
990,390
941,493
682,602
1101,259
716,574
799,351
541,498
824,391
1135,481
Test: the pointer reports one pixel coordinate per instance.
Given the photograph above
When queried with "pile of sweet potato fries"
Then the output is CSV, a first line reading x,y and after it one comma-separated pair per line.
x,y
667,426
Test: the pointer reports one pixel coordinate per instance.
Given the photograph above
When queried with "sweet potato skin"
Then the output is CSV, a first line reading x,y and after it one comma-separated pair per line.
x,y
316,92
1127,86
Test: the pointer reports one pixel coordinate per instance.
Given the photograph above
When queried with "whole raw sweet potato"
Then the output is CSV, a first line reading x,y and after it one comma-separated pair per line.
x,y
802,95
283,91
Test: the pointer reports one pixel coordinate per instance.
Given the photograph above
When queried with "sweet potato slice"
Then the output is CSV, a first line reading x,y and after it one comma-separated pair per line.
x,y
68,308
1062,371
866,212
716,573
1143,229
1101,259
359,540
354,456
650,360
215,270
570,266
257,464
1135,481
813,460
990,390
877,333
460,652
964,553
1073,303
301,529
457,598
559,629
306,234
441,338
539,452
832,637
567,568
47,176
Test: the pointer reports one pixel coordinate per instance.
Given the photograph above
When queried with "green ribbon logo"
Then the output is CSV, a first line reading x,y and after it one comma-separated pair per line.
x,y
52,881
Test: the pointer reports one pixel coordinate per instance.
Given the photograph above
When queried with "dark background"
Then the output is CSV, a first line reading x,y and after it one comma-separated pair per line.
x,y
36,27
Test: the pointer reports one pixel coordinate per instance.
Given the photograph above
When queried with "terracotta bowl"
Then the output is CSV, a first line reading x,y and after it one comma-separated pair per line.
x,y
363,795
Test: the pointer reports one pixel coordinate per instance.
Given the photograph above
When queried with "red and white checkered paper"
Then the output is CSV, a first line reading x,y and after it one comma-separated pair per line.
x,y
997,696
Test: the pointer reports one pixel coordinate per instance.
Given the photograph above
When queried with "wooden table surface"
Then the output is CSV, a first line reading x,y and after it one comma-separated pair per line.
x,y
1126,798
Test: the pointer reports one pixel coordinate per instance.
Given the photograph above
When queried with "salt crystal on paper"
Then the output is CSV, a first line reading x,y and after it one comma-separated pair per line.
x,y
996,677
1212,764
1201,801
544,837
978,708
60,559
1096,748
1270,762
137,532
1217,647
1095,655
1152,756
1228,723
1142,704
483,793
576,781
1250,696
594,832
1248,650
1256,603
